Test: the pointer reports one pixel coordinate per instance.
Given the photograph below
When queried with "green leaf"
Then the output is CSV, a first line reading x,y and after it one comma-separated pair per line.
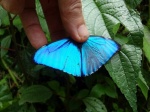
x,y
38,67
42,19
94,105
54,85
3,16
136,30
124,69
5,94
97,91
143,85
102,15
72,79
35,93
17,22
116,28
108,88
121,39
117,109
5,43
146,43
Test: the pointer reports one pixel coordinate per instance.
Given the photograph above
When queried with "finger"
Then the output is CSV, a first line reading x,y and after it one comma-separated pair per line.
x,y
52,15
72,18
32,26
13,6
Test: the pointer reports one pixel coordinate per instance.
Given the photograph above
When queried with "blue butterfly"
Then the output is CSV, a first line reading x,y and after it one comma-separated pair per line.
x,y
78,59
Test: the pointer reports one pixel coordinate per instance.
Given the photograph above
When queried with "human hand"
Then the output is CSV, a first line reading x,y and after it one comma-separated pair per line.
x,y
64,18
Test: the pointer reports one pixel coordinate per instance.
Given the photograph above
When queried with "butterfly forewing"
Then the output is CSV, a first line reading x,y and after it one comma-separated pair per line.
x,y
65,56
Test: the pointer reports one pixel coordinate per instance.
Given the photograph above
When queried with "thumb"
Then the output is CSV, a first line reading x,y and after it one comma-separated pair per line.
x,y
13,6
72,19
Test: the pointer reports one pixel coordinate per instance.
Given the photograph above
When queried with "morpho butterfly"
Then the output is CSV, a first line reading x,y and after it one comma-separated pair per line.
x,y
78,59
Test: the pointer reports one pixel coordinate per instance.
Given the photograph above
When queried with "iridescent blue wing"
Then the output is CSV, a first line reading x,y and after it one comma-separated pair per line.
x,y
77,59
63,55
96,51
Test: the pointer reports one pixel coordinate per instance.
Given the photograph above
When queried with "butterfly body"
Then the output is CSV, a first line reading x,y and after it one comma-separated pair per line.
x,y
78,59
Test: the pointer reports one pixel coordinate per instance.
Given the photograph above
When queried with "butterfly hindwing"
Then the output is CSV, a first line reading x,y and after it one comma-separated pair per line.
x,y
96,51
62,55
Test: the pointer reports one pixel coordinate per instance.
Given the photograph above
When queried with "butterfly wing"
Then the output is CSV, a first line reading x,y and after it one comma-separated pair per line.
x,y
69,57
96,51
63,55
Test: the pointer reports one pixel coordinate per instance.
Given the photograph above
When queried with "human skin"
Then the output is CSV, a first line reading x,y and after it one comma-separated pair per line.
x,y
64,18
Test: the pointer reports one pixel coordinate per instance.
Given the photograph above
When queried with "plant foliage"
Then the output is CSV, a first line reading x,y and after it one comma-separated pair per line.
x,y
122,85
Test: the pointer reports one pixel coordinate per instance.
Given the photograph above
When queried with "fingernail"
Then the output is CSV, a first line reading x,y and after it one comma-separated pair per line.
x,y
83,33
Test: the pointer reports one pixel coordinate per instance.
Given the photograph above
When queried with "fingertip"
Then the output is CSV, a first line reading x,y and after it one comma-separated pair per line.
x,y
79,34
83,33
39,44
36,36
73,20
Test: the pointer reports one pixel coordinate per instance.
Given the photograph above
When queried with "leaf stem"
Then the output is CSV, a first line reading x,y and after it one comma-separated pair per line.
x,y
10,72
